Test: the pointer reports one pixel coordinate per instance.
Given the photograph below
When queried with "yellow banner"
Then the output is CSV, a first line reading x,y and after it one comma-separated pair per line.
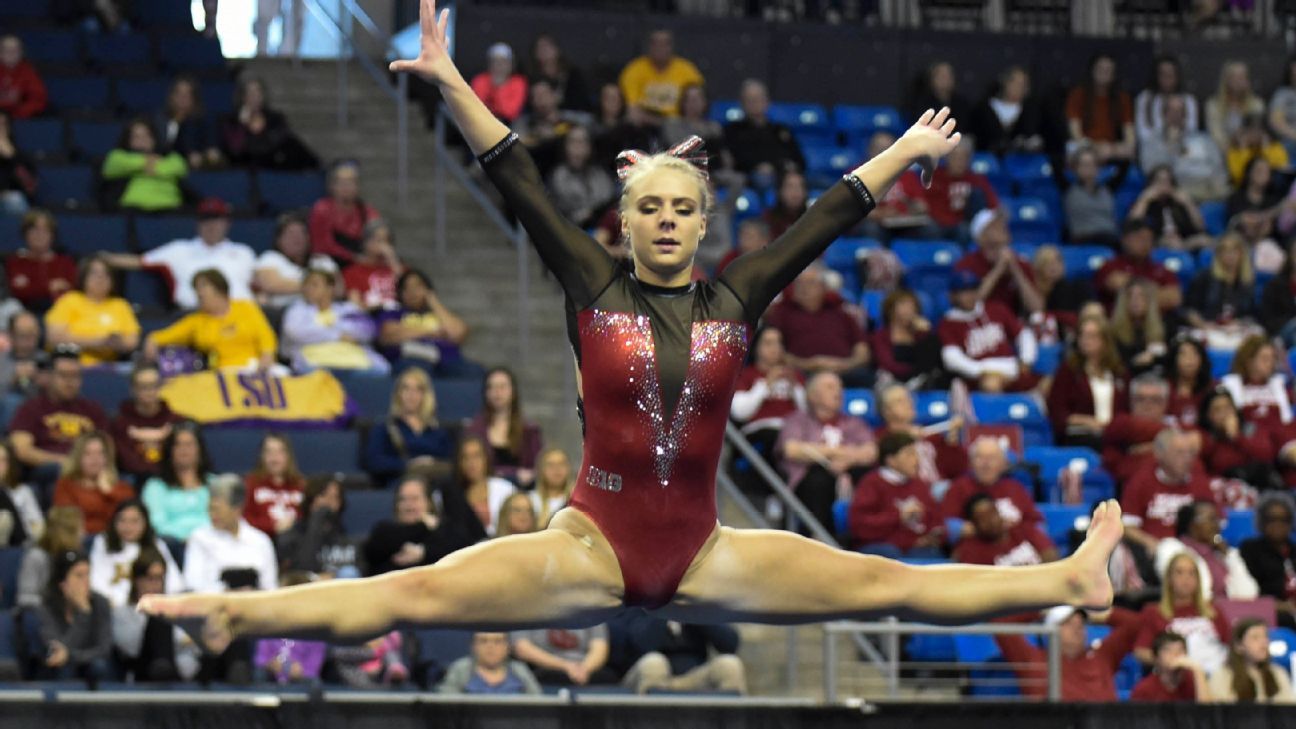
x,y
226,396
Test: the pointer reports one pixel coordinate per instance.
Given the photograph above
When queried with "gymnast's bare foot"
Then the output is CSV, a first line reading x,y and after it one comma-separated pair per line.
x,y
203,617
1090,584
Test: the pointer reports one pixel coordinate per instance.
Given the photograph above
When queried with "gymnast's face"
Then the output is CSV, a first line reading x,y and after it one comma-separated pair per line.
x,y
665,222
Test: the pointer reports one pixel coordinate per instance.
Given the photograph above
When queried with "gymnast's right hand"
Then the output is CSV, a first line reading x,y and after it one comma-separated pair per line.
x,y
433,63
203,618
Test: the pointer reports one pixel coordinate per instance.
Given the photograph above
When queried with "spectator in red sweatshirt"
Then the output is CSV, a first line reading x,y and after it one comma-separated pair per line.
x,y
892,513
819,333
1087,672
37,274
1175,676
1004,276
957,193
1127,439
337,222
142,424
274,488
500,88
989,476
994,542
983,342
940,454
1153,496
371,280
22,93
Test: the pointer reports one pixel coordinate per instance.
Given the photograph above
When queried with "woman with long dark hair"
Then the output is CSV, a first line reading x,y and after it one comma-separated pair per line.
x,y
514,441
1090,387
178,496
1249,676
1166,82
317,542
1099,112
1188,372
112,551
472,474
75,624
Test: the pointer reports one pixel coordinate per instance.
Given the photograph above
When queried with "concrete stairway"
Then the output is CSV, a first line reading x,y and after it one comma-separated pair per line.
x,y
477,277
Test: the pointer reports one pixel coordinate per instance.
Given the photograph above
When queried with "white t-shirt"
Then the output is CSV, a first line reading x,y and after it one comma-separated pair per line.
x,y
1104,396
280,264
186,257
211,551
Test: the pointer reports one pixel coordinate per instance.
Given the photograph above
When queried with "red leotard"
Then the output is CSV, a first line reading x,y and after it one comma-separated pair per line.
x,y
658,370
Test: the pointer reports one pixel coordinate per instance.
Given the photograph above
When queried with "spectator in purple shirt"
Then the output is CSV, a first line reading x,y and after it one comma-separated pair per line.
x,y
284,660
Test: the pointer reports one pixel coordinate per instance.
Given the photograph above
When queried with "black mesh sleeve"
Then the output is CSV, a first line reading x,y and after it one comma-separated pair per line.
x,y
579,263
757,277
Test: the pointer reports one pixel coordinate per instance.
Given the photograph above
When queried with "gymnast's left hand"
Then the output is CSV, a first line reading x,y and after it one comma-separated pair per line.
x,y
929,139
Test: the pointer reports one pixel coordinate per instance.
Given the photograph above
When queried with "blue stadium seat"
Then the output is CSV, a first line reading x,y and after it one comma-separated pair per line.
x,y
799,117
65,187
841,516
106,387
141,95
51,46
78,92
1026,167
1124,200
152,231
927,253
233,450
8,645
987,164
1180,263
1025,250
232,186
458,399
83,235
147,290
39,137
436,649
255,232
725,111
827,163
1050,356
190,52
1046,192
1031,220
10,233
118,50
35,10
1282,641
326,451
931,406
824,137
1015,409
861,403
748,204
92,140
1084,261
364,509
369,392
1214,215
1221,361
861,122
10,560
842,253
1239,527
1060,519
285,191
872,300
1096,483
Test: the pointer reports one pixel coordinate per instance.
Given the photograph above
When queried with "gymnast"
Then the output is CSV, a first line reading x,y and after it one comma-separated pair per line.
x,y
657,358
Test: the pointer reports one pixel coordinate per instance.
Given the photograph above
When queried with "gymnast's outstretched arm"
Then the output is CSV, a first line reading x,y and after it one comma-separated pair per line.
x,y
580,264
759,276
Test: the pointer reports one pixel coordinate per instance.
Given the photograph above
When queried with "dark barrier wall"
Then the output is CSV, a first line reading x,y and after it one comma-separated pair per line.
x,y
839,64
442,716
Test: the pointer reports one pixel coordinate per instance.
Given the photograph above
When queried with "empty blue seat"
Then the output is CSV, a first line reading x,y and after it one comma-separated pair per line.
x,y
106,387
841,516
8,645
142,95
825,164
987,164
79,92
725,111
843,253
1048,359
84,235
1214,215
152,231
115,50
1221,361
1060,519
1124,201
232,186
92,140
10,233
66,186
146,289
458,398
1239,527
233,450
1026,167
1096,483
799,117
326,451
1084,261
861,403
748,204
861,122
1045,192
284,191
10,561
190,52
369,392
927,253
1031,220
436,649
38,137
1181,263
1015,409
364,509
46,46
931,406
255,232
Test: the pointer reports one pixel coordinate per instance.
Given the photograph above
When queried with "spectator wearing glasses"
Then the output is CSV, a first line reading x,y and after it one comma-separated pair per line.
x,y
1271,555
46,426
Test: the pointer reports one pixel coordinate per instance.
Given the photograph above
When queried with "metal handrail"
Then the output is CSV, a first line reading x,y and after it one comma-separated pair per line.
x,y
892,629
775,482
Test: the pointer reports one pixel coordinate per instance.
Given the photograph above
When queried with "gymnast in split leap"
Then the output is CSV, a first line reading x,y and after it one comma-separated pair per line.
x,y
657,359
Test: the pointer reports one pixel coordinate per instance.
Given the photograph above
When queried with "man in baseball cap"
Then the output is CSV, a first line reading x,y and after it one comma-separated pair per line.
x,y
1004,276
983,341
1087,670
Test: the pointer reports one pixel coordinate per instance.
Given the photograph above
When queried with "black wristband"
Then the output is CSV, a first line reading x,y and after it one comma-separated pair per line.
x,y
489,155
861,192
